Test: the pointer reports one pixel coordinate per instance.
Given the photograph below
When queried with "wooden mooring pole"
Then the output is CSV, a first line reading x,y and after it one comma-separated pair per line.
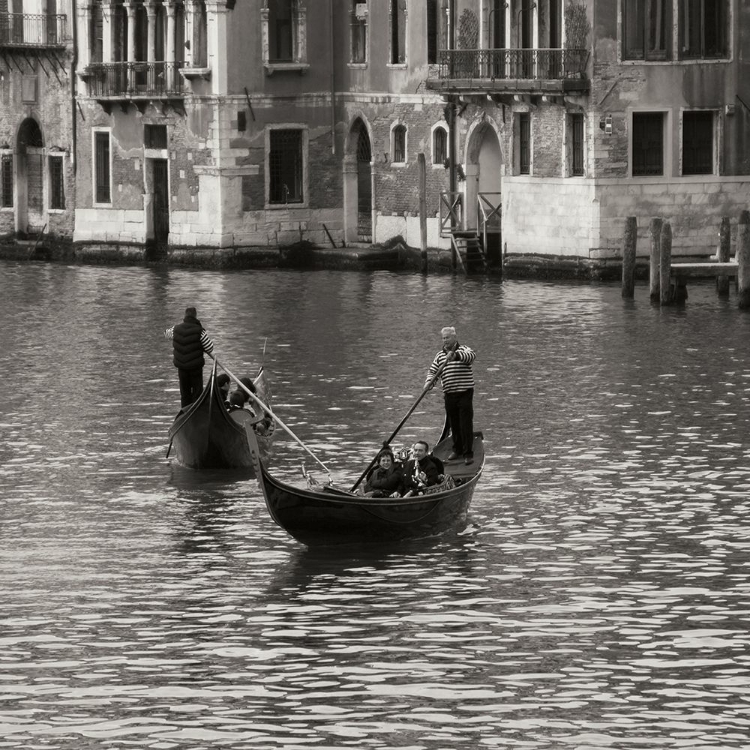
x,y
422,209
653,271
629,244
665,264
743,261
725,235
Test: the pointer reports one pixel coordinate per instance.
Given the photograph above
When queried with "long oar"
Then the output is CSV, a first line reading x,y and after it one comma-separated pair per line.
x,y
268,411
386,443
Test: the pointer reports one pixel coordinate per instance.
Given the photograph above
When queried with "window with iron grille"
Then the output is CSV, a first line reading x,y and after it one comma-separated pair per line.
x,y
6,180
575,122
439,146
155,136
646,29
703,31
399,144
359,31
56,182
698,143
398,32
524,143
285,165
648,143
102,191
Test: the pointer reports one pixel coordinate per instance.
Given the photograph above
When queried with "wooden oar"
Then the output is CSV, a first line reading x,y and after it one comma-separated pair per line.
x,y
386,443
268,411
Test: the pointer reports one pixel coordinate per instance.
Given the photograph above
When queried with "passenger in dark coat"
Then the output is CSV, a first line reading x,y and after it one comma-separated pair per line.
x,y
420,471
385,478
189,342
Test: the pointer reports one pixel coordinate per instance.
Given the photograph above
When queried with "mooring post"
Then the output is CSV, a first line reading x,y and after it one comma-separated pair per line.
x,y
743,260
629,243
422,209
725,234
653,271
665,264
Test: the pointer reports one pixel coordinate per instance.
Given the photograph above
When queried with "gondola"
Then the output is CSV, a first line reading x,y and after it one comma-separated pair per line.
x,y
204,435
330,516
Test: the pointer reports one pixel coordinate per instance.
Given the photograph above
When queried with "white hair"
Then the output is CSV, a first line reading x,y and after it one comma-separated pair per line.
x,y
447,329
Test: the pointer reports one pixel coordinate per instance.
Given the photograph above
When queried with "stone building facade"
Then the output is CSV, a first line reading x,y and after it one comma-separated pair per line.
x,y
37,138
539,126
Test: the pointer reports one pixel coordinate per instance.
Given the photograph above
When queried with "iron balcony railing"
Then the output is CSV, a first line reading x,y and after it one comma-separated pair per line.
x,y
133,80
32,30
516,64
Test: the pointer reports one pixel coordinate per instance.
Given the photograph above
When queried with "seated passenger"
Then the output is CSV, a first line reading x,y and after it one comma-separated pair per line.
x,y
223,382
420,471
237,400
385,477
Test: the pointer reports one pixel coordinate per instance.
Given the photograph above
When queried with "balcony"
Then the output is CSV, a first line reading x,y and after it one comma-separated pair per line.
x,y
510,71
134,81
24,31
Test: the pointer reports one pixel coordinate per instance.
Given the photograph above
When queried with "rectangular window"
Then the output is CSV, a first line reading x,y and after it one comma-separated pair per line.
x,y
398,32
646,29
698,143
56,182
359,32
102,191
576,144
399,144
281,31
648,144
285,167
703,29
6,180
155,136
524,143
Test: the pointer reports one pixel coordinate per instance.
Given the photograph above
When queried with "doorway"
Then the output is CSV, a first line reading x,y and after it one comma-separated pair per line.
x,y
30,216
160,206
364,186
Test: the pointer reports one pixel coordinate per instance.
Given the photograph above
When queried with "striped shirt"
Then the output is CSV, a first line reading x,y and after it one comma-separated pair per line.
x,y
206,343
457,375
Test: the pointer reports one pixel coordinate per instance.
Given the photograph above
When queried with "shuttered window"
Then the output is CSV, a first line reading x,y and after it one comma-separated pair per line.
x,y
102,191
524,143
576,144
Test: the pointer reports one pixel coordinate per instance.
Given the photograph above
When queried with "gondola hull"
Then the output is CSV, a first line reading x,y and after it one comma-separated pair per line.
x,y
205,435
330,517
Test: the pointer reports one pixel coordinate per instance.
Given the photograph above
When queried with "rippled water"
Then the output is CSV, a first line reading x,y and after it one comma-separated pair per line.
x,y
600,597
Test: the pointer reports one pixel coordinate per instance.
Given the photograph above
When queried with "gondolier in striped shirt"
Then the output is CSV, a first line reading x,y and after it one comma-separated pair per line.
x,y
457,380
189,342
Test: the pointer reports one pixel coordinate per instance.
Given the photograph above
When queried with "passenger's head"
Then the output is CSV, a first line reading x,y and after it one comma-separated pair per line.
x,y
449,336
223,382
190,312
420,449
249,385
238,398
385,458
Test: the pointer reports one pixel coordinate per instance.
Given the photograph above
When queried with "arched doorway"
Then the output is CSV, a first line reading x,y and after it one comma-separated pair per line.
x,y
30,178
358,184
484,159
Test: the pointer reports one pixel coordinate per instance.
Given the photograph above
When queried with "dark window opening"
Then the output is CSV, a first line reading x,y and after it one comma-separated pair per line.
x,y
646,29
281,30
155,136
398,31
576,134
359,32
698,143
703,29
285,166
648,144
439,146
102,193
56,182
399,144
6,180
524,143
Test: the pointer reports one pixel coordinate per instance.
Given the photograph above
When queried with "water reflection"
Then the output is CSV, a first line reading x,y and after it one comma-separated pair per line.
x,y
597,599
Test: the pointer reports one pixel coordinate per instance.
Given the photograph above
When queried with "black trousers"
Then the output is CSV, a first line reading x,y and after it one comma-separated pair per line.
x,y
459,408
191,385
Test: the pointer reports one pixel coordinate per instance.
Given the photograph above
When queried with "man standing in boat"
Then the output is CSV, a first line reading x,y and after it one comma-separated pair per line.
x,y
454,362
189,342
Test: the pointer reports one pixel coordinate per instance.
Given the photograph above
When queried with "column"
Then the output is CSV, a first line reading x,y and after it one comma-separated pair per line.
x,y
190,13
108,31
217,21
129,6
151,15
170,68
84,32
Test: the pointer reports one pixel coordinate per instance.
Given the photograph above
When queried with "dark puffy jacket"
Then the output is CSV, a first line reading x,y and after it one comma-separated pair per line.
x,y
383,480
186,342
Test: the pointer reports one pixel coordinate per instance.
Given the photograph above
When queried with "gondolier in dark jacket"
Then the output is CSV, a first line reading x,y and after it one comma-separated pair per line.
x,y
457,380
189,341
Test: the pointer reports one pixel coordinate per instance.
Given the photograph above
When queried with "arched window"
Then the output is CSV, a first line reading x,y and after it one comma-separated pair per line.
x,y
439,145
398,137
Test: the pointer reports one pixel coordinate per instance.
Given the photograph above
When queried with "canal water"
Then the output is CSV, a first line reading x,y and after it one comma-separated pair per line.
x,y
599,597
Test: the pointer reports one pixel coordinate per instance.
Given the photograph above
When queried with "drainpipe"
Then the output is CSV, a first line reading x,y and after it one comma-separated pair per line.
x,y
333,78
452,107
73,87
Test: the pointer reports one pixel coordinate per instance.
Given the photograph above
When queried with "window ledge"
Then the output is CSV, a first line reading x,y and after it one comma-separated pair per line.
x,y
285,206
357,66
290,67
190,73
